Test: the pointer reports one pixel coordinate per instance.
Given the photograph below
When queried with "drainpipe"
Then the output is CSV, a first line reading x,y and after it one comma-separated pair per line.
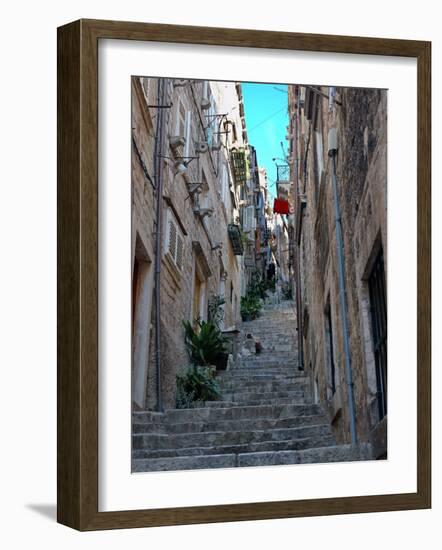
x,y
298,254
158,170
299,306
332,152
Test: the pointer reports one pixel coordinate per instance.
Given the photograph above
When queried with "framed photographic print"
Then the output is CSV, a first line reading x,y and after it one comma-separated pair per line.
x,y
243,275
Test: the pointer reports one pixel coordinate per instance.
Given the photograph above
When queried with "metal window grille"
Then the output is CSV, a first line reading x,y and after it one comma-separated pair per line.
x,y
179,252
172,238
330,350
378,310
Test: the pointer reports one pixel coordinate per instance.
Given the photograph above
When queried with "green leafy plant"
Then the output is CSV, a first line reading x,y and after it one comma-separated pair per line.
x,y
258,286
251,302
196,385
204,342
250,306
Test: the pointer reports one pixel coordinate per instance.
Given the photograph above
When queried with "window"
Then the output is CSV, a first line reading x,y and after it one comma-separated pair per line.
x,y
188,134
180,119
378,313
249,217
224,180
145,85
206,90
331,97
329,346
174,240
203,196
318,166
211,122
234,136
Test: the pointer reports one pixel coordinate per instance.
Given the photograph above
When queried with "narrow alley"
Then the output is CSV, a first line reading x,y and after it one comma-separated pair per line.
x,y
259,274
266,414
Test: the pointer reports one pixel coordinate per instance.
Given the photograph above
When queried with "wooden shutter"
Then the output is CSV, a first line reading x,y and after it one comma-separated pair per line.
x,y
188,133
172,237
174,241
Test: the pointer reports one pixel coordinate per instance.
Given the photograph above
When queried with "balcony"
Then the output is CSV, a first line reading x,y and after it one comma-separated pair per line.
x,y
234,233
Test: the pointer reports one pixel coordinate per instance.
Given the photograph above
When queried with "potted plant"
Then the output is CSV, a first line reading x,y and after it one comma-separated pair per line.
x,y
250,306
205,344
195,385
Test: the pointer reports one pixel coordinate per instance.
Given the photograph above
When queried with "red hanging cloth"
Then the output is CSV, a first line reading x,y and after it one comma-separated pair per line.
x,y
281,206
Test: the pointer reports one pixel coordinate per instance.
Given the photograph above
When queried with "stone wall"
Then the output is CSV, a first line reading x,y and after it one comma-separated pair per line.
x,y
360,118
197,259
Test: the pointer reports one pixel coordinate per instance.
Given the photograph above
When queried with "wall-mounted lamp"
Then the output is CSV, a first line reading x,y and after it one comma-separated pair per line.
x,y
193,188
180,164
203,212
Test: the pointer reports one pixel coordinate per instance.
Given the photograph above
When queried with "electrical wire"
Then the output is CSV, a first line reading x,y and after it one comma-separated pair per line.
x,y
266,119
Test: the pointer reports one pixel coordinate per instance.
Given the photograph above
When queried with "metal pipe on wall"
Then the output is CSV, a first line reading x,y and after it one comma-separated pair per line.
x,y
298,248
333,149
158,170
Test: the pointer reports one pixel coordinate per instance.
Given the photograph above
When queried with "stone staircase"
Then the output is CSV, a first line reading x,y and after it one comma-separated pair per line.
x,y
265,415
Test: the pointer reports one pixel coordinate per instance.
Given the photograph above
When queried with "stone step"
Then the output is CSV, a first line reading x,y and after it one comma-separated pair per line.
x,y
318,455
265,446
337,453
263,386
266,339
245,385
270,325
184,463
288,366
205,414
257,402
286,328
278,341
269,369
281,350
257,376
270,358
272,322
228,425
280,336
271,366
239,396
151,441
225,403
267,356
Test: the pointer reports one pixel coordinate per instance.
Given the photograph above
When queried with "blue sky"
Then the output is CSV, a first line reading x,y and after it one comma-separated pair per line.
x,y
266,119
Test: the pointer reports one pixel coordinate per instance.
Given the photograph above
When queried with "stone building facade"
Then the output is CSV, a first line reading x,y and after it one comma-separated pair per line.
x,y
359,117
186,214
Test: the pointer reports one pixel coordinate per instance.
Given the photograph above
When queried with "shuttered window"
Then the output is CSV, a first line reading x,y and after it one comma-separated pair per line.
x,y
188,134
174,241
145,84
249,215
180,115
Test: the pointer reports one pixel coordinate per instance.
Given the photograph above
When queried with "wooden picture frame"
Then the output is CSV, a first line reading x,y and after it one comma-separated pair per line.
x,y
78,274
